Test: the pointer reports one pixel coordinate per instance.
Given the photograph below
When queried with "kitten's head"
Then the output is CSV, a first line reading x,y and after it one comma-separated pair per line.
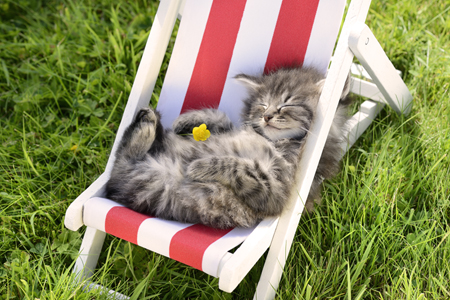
x,y
282,104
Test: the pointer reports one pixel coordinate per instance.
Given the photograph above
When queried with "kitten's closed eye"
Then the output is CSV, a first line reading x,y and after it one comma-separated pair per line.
x,y
281,107
288,97
262,105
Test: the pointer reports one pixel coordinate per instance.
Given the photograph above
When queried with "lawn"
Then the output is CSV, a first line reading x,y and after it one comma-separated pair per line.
x,y
66,70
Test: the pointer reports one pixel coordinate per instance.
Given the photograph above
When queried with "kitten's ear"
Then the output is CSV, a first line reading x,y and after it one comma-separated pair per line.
x,y
345,91
251,82
320,84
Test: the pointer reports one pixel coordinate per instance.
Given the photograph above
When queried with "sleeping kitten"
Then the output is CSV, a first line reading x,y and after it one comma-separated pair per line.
x,y
239,175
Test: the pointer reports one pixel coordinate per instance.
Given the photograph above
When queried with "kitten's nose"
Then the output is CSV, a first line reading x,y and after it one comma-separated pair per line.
x,y
268,117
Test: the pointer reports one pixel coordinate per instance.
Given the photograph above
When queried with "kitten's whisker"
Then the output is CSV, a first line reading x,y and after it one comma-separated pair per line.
x,y
308,131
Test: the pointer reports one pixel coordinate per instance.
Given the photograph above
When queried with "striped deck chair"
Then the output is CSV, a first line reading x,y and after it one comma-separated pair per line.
x,y
216,40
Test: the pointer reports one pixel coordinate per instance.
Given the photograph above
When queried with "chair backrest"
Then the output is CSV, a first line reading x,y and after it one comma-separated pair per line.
x,y
218,39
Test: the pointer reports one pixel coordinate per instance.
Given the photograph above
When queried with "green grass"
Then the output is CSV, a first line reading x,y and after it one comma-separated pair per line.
x,y
66,70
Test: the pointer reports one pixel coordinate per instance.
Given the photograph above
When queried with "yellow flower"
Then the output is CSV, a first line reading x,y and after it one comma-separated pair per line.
x,y
201,133
74,148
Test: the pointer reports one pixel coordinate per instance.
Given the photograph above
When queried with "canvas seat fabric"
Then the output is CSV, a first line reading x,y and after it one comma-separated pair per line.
x,y
195,245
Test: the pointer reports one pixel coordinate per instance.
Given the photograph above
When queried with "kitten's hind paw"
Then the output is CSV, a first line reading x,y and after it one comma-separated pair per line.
x,y
147,115
140,135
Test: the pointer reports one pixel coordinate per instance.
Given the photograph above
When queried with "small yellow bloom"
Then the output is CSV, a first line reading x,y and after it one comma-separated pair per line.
x,y
201,133
74,148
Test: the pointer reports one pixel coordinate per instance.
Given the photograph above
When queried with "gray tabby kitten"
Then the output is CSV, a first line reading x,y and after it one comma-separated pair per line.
x,y
239,175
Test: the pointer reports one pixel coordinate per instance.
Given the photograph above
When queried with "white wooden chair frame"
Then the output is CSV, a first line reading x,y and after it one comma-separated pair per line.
x,y
384,87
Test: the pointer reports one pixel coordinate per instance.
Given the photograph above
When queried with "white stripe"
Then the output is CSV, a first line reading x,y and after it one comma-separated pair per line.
x,y
155,234
324,34
250,52
214,253
182,62
95,211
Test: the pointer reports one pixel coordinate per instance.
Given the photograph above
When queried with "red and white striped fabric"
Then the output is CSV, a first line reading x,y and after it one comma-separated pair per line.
x,y
218,39
196,245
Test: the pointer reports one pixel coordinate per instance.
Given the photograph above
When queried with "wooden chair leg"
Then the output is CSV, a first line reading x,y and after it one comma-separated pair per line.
x,y
90,250
372,57
278,252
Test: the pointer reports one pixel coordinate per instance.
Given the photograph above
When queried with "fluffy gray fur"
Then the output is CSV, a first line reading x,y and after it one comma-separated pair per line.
x,y
239,175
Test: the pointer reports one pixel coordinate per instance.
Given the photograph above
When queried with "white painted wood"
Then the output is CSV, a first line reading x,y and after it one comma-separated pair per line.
x,y
360,122
239,264
73,219
362,84
359,70
368,50
367,89
180,11
214,254
90,250
223,261
332,90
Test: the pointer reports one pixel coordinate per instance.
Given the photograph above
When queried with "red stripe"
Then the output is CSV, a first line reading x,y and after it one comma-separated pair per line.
x,y
214,56
292,32
124,223
189,245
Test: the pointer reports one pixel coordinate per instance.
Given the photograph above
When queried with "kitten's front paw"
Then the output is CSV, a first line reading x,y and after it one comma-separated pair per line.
x,y
146,115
